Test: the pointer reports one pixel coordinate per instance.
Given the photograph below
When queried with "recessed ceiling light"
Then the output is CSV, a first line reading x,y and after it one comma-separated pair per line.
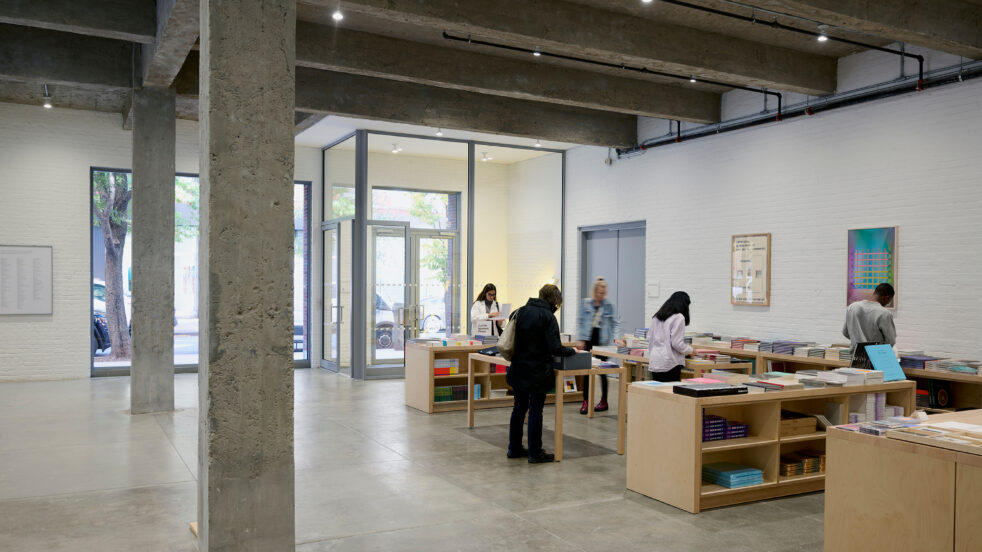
x,y
692,79
822,38
337,15
538,144
537,52
439,132
646,1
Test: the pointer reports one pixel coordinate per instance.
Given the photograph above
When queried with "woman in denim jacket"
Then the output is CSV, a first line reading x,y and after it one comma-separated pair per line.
x,y
597,324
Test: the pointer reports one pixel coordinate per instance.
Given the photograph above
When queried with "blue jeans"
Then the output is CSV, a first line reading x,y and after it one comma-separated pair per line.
x,y
531,403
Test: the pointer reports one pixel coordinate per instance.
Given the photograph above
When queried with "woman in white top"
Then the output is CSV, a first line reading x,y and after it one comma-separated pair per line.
x,y
485,308
666,339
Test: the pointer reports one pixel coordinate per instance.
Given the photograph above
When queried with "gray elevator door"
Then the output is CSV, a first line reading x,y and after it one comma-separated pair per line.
x,y
618,256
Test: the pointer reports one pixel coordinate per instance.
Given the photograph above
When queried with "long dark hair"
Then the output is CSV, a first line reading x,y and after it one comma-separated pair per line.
x,y
484,292
678,303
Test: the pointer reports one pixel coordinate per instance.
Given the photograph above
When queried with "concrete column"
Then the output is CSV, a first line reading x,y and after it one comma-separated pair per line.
x,y
152,371
245,375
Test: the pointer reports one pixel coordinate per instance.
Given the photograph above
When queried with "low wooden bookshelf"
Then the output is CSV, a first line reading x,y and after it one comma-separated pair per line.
x,y
421,380
665,450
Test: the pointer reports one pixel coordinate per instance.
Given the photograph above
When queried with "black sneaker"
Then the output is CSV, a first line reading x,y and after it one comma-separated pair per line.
x,y
522,453
542,458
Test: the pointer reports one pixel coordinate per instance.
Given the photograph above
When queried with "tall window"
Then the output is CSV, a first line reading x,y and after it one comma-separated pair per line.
x,y
112,273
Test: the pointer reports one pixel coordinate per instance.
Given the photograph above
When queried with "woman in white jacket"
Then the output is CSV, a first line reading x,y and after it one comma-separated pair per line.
x,y
666,339
485,308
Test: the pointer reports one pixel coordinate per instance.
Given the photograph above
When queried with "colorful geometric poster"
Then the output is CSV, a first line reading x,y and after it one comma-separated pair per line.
x,y
872,260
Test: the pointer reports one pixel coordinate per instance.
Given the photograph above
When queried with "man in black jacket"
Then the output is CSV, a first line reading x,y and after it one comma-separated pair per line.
x,y
530,375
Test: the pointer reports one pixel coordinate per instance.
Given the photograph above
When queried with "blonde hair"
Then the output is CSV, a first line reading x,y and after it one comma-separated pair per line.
x,y
597,284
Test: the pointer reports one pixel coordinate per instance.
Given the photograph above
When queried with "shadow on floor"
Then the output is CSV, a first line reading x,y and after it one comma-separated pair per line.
x,y
497,435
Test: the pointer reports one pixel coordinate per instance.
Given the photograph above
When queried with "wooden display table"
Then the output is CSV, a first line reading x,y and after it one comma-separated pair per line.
x,y
792,363
421,379
965,390
476,360
666,451
887,494
637,365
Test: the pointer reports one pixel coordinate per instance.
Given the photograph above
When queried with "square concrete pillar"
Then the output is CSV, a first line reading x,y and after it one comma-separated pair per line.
x,y
245,372
152,370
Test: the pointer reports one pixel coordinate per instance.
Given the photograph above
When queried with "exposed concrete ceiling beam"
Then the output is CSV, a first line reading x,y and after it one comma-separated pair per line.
x,y
330,93
346,51
303,121
953,26
614,37
44,56
388,100
178,25
128,20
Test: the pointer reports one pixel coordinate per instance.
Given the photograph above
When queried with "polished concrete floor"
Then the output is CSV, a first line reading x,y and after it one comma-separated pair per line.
x,y
78,473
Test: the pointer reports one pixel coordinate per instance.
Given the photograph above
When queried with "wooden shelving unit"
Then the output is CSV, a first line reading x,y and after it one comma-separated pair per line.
x,y
420,380
790,362
665,450
965,389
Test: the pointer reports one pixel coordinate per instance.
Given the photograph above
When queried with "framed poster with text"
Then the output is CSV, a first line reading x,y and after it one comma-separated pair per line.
x,y
750,270
25,279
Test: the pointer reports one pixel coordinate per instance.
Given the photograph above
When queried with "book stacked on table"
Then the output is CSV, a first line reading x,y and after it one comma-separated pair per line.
x,y
487,339
731,475
915,362
742,342
708,389
641,333
787,347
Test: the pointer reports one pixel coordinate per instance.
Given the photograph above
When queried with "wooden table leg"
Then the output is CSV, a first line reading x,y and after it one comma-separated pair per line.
x,y
589,400
470,393
622,412
559,416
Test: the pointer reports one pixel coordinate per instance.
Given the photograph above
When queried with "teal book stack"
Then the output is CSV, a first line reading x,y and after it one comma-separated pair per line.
x,y
730,475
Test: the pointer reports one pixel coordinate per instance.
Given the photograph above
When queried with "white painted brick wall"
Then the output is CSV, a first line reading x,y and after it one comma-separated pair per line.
x,y
45,157
910,161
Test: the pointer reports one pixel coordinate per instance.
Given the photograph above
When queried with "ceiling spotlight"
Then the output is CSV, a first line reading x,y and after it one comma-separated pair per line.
x,y
47,98
439,132
396,148
538,144
485,157
537,52
337,15
692,79
646,1
822,38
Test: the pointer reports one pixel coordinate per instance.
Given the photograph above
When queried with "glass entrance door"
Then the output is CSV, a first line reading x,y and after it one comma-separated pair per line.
x,y
435,283
336,335
388,289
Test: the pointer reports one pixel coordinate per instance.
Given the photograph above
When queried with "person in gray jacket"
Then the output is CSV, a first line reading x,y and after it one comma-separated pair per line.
x,y
870,321
597,324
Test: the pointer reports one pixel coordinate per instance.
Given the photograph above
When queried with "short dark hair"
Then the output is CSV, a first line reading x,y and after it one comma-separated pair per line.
x,y
678,303
484,292
884,290
551,293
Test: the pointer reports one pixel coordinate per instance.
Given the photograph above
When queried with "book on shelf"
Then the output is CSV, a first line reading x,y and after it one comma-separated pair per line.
x,y
708,389
731,475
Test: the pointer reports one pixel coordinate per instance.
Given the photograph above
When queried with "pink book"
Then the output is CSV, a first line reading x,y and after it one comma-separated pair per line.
x,y
701,380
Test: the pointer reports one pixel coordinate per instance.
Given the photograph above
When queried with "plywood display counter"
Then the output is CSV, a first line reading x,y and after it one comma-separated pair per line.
x,y
666,453
887,494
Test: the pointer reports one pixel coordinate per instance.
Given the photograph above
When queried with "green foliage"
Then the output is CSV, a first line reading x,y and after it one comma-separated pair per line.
x,y
187,192
106,187
342,201
431,210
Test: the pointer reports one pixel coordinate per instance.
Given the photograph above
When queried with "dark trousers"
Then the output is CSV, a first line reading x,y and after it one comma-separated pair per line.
x,y
603,377
531,403
675,374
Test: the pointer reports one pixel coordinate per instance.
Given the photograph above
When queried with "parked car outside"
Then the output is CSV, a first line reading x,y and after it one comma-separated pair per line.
x,y
100,332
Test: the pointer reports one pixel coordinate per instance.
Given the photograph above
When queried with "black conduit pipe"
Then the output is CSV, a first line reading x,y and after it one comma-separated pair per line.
x,y
827,105
775,25
645,70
